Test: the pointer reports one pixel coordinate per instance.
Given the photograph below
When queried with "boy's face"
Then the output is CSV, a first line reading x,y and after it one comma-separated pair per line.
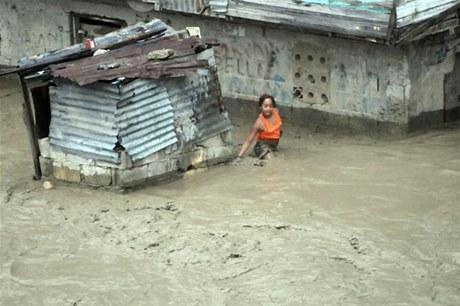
x,y
267,107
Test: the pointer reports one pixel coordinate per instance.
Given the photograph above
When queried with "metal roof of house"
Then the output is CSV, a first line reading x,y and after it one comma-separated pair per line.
x,y
413,11
372,19
133,61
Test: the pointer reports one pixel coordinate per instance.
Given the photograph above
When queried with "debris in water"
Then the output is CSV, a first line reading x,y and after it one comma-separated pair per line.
x,y
234,255
169,207
47,185
260,163
152,245
354,242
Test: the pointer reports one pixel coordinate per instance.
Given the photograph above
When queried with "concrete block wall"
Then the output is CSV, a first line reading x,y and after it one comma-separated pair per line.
x,y
429,64
75,169
338,76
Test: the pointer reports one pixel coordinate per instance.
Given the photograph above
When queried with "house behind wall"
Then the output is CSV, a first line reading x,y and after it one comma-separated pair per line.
x,y
318,80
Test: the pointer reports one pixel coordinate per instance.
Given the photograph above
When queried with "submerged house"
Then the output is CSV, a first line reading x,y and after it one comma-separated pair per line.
x,y
140,104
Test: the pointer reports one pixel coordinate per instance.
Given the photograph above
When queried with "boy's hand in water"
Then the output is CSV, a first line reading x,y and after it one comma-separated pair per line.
x,y
236,161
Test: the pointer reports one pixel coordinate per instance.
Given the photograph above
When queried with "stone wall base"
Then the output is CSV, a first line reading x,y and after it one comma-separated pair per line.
x,y
71,170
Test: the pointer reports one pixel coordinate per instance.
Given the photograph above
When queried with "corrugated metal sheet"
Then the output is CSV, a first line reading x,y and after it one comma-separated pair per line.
x,y
357,18
372,6
83,120
201,7
197,105
132,62
369,18
218,6
145,118
184,6
413,11
197,108
90,120
360,18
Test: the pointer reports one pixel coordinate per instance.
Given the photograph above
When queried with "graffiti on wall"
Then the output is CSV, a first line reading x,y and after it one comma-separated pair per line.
x,y
249,68
249,59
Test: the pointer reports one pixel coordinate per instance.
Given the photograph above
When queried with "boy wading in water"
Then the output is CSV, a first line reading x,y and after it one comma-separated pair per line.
x,y
267,129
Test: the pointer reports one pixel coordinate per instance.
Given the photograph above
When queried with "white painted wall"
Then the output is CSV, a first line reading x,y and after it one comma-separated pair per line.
x,y
364,79
429,64
33,27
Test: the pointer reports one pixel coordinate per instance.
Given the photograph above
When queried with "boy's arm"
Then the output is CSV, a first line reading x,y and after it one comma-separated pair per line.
x,y
251,137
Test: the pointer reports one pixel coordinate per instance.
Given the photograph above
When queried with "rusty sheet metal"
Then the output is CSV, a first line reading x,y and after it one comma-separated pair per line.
x,y
198,111
89,121
132,33
198,108
132,62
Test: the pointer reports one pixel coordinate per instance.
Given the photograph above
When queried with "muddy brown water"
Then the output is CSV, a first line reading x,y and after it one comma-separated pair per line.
x,y
329,221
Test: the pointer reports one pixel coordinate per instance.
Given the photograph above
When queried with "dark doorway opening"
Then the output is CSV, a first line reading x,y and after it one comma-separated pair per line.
x,y
42,110
91,26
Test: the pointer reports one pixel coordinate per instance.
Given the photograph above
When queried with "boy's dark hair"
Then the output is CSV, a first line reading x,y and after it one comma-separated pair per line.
x,y
265,96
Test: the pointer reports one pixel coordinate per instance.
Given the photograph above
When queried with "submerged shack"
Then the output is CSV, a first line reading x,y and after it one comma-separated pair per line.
x,y
140,104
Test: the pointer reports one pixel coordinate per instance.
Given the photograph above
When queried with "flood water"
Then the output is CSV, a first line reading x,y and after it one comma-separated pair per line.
x,y
330,220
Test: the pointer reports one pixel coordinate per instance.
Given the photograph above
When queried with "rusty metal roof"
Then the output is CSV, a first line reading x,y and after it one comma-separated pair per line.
x,y
132,61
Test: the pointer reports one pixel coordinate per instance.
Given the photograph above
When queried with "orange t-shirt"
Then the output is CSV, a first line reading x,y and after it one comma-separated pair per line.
x,y
272,131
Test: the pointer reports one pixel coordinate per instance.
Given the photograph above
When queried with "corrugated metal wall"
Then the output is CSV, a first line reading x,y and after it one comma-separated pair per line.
x,y
145,119
90,120
197,107
83,120
143,116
